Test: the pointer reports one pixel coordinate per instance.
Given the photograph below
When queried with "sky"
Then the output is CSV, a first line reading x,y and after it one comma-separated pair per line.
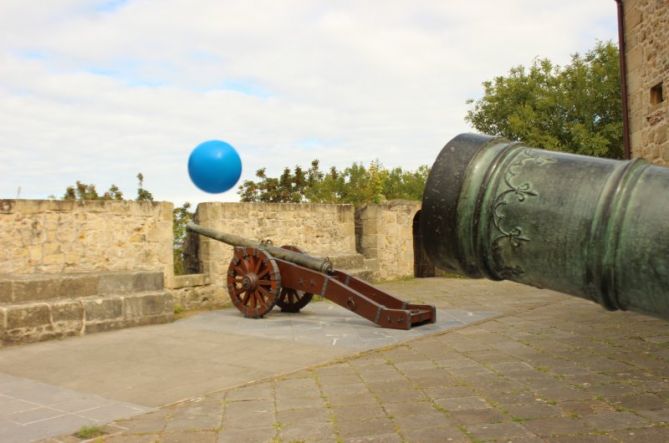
x,y
100,90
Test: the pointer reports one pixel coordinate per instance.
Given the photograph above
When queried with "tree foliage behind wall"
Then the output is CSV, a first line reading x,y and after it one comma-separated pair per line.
x,y
575,108
180,216
355,184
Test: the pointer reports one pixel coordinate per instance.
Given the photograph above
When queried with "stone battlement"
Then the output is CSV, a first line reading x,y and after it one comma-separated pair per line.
x,y
77,267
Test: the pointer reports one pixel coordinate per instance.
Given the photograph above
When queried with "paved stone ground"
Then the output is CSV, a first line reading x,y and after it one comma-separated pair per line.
x,y
551,368
30,410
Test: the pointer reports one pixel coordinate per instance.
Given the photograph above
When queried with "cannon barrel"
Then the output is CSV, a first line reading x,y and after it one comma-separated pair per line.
x,y
315,263
591,227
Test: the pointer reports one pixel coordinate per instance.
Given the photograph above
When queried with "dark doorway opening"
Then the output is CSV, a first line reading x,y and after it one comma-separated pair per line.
x,y
422,267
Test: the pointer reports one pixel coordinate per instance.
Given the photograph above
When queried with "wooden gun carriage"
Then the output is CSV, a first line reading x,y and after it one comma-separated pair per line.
x,y
261,276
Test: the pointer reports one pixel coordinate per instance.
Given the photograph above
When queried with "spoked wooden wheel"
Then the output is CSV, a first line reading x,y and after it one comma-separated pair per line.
x,y
254,281
292,300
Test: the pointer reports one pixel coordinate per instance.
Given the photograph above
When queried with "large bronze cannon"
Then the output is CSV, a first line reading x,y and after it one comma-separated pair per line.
x,y
261,276
591,227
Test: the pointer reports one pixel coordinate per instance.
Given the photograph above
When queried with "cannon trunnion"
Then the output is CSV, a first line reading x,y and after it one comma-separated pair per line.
x,y
591,227
261,276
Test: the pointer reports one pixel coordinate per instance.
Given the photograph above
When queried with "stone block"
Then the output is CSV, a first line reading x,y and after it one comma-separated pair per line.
x,y
115,283
76,286
158,304
201,297
103,309
36,289
6,291
189,280
69,310
102,326
143,305
67,318
27,316
3,322
148,281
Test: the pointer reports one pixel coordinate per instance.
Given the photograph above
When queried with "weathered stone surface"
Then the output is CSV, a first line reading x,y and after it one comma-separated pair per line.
x,y
128,282
387,236
36,289
141,305
70,310
318,229
647,49
190,280
73,286
109,325
103,308
3,322
45,287
5,291
148,281
27,316
51,236
67,318
200,297
116,283
27,323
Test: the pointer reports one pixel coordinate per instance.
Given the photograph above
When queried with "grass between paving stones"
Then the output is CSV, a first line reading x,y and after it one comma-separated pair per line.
x,y
87,432
328,405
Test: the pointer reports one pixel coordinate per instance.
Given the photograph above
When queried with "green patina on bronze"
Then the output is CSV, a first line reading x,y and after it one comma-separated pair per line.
x,y
591,227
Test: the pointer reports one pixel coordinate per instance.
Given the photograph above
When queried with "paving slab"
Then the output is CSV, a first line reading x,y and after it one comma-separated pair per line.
x,y
99,378
31,410
551,368
548,368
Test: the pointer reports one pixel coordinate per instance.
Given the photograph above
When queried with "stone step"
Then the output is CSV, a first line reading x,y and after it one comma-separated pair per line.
x,y
371,263
347,261
44,287
36,321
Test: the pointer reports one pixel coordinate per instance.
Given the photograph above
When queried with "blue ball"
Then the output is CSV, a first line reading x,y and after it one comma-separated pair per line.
x,y
214,166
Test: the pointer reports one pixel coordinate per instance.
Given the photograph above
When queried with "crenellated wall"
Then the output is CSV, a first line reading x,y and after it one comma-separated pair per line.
x,y
321,230
70,268
57,236
386,237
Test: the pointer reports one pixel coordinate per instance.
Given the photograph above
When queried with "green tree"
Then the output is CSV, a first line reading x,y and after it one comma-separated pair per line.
x,y
180,218
142,194
82,191
575,108
356,185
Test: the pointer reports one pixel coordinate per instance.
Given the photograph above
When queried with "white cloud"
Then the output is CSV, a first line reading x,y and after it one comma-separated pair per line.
x,y
98,91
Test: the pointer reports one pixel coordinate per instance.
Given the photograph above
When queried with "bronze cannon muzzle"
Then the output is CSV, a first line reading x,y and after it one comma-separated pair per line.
x,y
591,227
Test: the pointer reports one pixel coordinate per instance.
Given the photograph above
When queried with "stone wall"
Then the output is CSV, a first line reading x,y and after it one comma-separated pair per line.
x,y
320,230
69,268
386,238
647,56
196,291
56,236
72,268
36,307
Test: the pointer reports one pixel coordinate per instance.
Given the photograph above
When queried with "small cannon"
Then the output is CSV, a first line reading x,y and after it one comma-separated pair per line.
x,y
261,276
591,227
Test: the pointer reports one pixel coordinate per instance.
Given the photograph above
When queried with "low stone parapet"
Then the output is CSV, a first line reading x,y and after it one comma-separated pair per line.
x,y
41,307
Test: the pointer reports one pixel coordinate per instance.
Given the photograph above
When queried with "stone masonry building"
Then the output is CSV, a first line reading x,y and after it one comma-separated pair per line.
x,y
645,47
